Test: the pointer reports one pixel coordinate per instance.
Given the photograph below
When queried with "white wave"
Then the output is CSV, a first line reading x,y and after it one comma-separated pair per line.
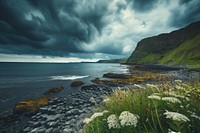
x,y
68,77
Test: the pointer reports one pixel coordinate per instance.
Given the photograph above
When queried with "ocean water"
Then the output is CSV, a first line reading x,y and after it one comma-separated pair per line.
x,y
20,81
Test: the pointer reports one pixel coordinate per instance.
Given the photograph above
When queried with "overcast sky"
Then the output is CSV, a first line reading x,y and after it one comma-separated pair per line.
x,y
86,30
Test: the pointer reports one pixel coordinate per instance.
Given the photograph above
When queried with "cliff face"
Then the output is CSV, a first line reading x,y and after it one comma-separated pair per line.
x,y
178,47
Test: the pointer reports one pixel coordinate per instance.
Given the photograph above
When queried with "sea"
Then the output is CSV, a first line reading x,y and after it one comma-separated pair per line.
x,y
19,81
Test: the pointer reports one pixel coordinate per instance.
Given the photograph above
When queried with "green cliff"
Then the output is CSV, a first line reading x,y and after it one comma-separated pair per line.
x,y
180,47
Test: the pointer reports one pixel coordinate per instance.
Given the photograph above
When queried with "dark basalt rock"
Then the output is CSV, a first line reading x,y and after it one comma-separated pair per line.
x,y
115,76
6,118
60,114
54,90
29,105
77,83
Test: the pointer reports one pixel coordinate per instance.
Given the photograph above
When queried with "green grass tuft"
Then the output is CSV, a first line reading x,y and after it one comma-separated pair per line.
x,y
151,111
188,53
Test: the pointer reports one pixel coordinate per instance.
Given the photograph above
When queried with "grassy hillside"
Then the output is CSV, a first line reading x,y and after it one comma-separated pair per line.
x,y
187,53
181,47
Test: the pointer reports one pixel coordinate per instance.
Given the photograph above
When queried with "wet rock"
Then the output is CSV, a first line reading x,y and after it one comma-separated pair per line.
x,y
77,83
67,130
27,129
29,105
43,109
72,112
52,117
53,123
49,130
5,118
65,114
54,90
36,124
35,130
42,130
92,100
116,76
56,130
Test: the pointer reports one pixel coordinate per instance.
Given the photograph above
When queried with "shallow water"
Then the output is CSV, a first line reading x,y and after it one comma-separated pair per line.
x,y
20,81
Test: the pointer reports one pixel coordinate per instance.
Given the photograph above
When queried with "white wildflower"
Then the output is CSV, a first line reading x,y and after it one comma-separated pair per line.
x,y
191,112
179,87
171,99
152,86
176,116
188,95
105,111
106,100
128,119
154,97
187,99
95,115
138,86
170,131
87,120
195,116
174,94
178,81
185,85
113,122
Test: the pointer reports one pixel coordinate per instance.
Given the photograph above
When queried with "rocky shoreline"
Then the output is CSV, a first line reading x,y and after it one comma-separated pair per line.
x,y
62,114
66,114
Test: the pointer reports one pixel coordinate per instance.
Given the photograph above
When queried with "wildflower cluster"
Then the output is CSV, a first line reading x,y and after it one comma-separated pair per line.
x,y
106,100
128,119
154,97
181,102
152,86
138,86
113,122
167,99
178,81
178,87
193,114
171,99
174,94
176,116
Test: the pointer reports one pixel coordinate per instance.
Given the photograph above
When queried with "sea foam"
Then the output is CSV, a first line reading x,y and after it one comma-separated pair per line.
x,y
68,77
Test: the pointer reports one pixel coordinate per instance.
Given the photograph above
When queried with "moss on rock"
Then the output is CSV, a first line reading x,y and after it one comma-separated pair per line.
x,y
29,105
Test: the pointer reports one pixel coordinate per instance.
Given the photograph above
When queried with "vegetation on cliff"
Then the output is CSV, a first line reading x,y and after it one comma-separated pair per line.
x,y
179,47
187,53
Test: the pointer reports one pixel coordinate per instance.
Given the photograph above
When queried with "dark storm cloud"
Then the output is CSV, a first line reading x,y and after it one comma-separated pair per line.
x,y
77,27
41,26
190,13
143,5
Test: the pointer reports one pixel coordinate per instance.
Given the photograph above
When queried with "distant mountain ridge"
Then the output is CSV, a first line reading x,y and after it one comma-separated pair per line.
x,y
180,47
121,60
